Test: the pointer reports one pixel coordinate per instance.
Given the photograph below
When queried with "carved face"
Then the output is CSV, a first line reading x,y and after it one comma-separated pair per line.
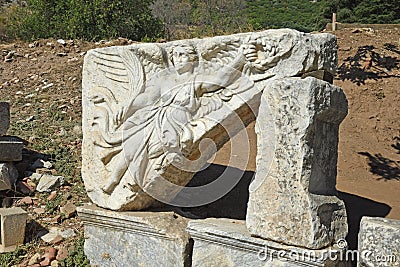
x,y
183,58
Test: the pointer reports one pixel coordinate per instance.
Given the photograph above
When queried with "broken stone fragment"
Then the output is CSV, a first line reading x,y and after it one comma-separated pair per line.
x,y
4,117
68,210
48,182
8,176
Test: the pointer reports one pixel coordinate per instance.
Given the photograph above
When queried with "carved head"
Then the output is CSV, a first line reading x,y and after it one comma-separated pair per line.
x,y
184,57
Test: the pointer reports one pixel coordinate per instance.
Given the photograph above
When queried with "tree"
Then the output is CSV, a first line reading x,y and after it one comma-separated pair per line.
x,y
85,19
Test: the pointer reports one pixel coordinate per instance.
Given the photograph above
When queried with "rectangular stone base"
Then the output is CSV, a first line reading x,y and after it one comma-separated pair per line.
x,y
226,242
10,148
12,228
135,238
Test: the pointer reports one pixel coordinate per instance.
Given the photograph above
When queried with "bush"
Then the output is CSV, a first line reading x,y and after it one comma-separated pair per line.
x,y
81,19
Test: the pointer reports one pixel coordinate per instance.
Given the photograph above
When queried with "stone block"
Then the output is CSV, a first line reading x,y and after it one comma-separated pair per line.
x,y
10,148
4,117
147,108
226,242
379,242
12,223
135,238
293,196
8,176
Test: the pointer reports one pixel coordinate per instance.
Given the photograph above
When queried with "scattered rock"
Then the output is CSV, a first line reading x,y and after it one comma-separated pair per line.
x,y
68,210
52,196
62,254
30,118
8,176
61,41
47,86
50,254
49,182
52,238
54,263
24,188
34,259
67,233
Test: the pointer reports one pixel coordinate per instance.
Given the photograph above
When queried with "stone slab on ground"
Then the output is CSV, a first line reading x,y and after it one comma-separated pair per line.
x,y
226,242
379,242
12,228
135,238
10,148
4,117
8,176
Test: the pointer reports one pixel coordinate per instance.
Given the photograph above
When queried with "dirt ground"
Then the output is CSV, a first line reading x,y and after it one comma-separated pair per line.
x,y
42,82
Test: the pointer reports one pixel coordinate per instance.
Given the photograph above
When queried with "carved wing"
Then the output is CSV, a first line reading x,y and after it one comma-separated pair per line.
x,y
213,56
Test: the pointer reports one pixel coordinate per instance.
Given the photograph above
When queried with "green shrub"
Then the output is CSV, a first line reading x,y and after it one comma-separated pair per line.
x,y
81,19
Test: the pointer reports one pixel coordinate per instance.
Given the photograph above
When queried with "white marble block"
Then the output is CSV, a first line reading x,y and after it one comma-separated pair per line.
x,y
293,196
379,242
148,107
147,239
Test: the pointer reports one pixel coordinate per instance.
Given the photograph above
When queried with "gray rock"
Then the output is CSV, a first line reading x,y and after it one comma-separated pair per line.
x,y
49,182
379,242
4,117
135,238
8,176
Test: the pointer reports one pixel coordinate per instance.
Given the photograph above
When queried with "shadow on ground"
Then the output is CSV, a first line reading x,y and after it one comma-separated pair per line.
x,y
357,207
386,168
368,64
233,205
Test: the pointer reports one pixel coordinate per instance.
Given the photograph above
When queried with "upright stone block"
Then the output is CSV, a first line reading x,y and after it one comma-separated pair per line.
x,y
225,242
379,242
4,117
293,196
135,238
12,223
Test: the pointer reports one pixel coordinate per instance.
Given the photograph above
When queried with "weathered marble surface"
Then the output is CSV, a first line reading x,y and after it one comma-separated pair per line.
x,y
146,107
8,176
142,239
379,242
4,117
293,197
225,242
